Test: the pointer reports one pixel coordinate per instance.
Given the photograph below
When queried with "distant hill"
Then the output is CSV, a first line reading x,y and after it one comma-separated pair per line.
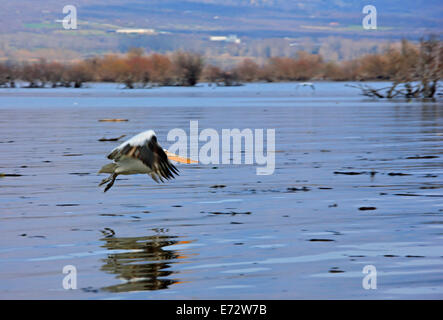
x,y
31,25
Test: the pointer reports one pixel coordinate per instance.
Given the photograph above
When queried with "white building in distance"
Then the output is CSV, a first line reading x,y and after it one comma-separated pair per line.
x,y
231,38
136,31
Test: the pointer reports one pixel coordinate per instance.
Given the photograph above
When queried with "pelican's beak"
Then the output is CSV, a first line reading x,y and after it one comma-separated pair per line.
x,y
175,157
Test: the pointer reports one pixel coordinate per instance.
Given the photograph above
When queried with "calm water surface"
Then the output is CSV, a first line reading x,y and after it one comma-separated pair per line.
x,y
299,233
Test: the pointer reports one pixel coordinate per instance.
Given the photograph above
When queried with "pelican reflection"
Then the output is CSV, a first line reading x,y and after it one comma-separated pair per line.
x,y
141,262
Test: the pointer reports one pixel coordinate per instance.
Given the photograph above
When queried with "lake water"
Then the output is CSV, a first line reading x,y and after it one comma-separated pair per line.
x,y
357,182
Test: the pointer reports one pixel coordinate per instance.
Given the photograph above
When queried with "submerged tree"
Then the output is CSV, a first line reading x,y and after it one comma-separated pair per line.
x,y
35,74
58,75
430,66
247,70
78,73
219,77
9,73
415,72
188,67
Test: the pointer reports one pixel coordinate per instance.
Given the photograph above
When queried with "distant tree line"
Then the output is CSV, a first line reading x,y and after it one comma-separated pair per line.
x,y
134,70
414,70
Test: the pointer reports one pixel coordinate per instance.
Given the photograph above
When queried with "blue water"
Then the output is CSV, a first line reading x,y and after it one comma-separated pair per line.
x,y
298,233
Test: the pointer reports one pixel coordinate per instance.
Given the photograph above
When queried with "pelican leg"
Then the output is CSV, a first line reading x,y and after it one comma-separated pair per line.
x,y
105,180
110,184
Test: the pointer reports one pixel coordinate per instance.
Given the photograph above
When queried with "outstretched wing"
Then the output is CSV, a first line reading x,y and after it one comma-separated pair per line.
x,y
145,148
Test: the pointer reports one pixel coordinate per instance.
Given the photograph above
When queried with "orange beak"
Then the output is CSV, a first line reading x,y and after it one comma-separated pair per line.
x,y
177,158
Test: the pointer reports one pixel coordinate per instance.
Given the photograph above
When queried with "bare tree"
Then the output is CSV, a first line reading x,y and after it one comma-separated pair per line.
x,y
56,74
429,67
415,72
247,70
212,74
32,73
188,67
9,73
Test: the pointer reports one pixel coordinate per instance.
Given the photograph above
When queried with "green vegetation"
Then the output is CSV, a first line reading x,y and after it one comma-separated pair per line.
x,y
43,25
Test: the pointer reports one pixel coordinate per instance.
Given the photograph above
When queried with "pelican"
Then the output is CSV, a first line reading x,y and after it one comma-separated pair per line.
x,y
141,154
306,84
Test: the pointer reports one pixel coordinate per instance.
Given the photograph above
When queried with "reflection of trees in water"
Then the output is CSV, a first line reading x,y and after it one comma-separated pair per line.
x,y
144,266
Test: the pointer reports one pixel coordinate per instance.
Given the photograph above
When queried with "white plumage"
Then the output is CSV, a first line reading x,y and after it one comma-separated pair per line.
x,y
141,154
138,139
306,84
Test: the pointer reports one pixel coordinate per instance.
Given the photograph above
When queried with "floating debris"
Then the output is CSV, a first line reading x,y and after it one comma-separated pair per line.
x,y
9,175
67,205
216,186
79,173
350,173
294,189
112,139
422,157
113,120
232,213
333,205
367,208
336,233
320,240
335,270
398,174
72,155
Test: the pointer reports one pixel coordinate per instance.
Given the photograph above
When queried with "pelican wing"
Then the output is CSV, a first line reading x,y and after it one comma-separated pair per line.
x,y
145,148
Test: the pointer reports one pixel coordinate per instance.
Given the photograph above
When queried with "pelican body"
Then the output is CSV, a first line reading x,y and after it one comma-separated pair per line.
x,y
141,155
306,84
